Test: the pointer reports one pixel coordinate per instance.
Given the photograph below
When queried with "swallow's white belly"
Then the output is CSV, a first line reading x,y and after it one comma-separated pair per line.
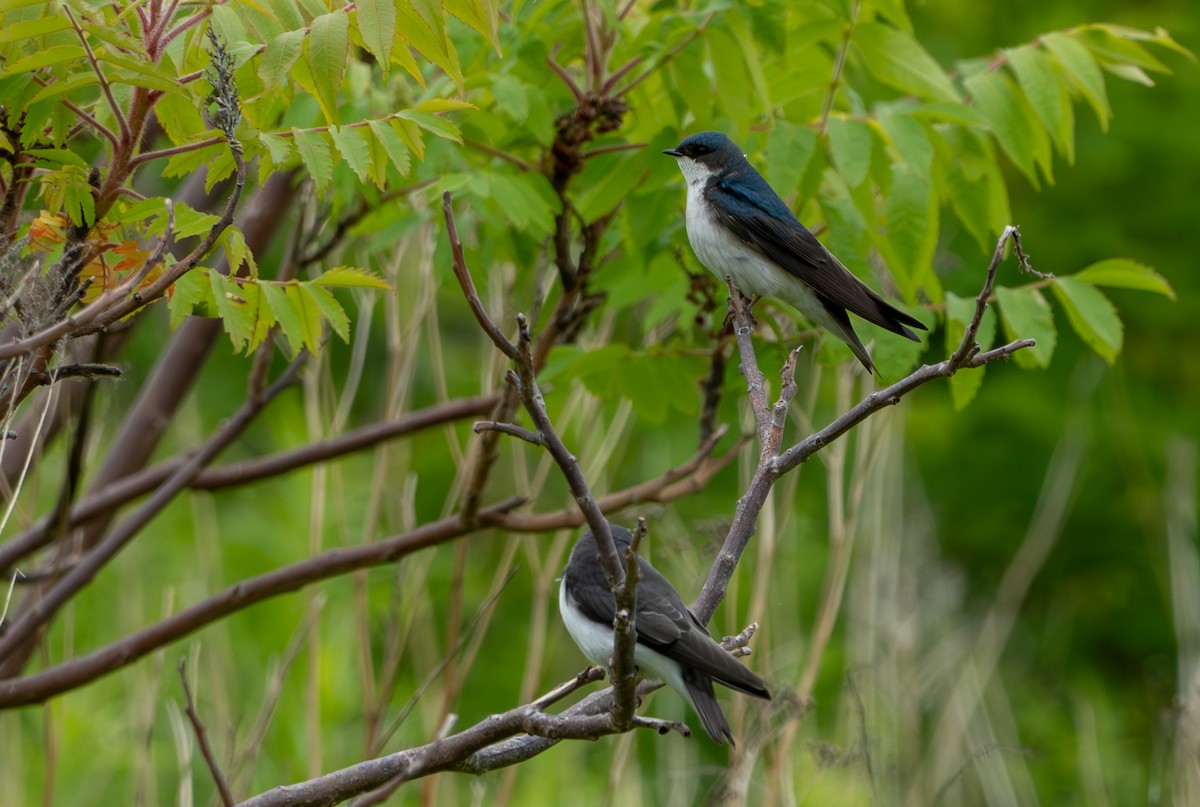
x,y
723,253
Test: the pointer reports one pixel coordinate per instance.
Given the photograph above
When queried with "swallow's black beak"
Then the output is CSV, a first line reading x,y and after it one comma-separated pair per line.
x,y
673,152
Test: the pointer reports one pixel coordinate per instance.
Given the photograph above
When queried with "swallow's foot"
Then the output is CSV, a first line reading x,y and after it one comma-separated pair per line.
x,y
746,304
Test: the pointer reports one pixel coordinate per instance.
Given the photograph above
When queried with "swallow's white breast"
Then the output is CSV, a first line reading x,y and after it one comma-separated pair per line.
x,y
723,254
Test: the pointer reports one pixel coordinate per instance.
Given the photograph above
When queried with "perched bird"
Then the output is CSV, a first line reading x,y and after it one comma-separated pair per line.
x,y
672,644
738,226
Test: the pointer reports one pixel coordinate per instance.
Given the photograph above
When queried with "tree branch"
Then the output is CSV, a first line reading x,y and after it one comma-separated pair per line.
x,y
43,685
773,464
202,738
133,485
81,575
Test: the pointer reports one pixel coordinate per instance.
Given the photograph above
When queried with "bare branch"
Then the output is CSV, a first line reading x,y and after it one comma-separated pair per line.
x,y
81,575
511,429
468,285
202,738
133,485
458,751
773,463
45,684
113,106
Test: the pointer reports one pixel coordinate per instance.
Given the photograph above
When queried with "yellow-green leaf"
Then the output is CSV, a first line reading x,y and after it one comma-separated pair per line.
x,y
1092,316
1048,95
397,151
316,155
1009,115
28,29
1122,273
1084,72
351,277
287,315
309,314
327,46
377,25
281,53
1025,314
44,57
351,145
850,148
895,58
236,317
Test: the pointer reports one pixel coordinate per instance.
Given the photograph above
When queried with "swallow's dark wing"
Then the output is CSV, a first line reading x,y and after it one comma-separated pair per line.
x,y
747,205
668,626
663,623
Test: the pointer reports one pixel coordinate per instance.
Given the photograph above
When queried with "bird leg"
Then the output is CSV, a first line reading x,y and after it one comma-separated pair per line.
x,y
746,302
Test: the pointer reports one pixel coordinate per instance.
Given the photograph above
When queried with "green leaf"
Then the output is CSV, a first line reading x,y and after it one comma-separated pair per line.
x,y
1008,114
264,317
180,119
729,73
316,155
353,148
521,202
236,316
1111,46
58,157
189,292
328,42
1047,94
227,24
598,369
422,24
377,25
1123,273
350,277
28,29
330,309
481,15
912,226
850,149
45,57
895,58
789,148
190,222
70,85
187,162
1092,316
1083,71
237,252
281,53
432,123
965,384
1025,314
277,147
309,314
287,315
909,138
403,57
606,181
397,151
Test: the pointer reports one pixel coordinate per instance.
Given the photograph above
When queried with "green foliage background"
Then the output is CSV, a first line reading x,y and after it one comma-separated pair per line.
x,y
1082,699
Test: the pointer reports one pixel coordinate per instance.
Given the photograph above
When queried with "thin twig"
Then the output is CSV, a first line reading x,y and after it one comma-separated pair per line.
x,y
838,66
468,285
202,738
83,573
510,429
44,684
773,463
113,106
